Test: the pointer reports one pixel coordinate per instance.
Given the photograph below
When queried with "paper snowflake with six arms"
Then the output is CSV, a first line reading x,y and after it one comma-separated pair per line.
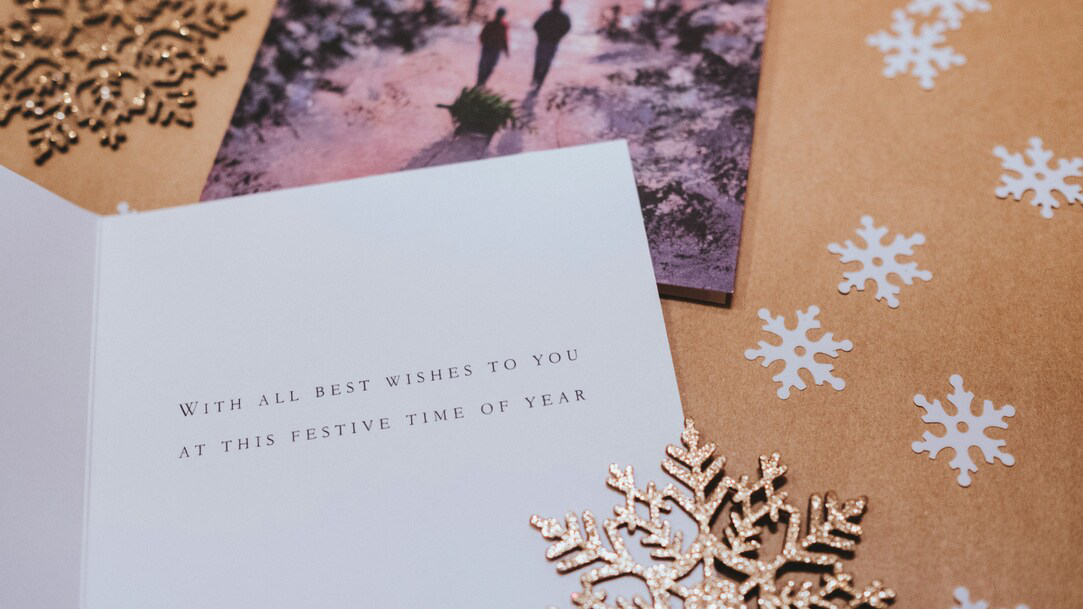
x,y
753,511
964,430
962,597
950,12
915,51
878,261
798,351
1040,176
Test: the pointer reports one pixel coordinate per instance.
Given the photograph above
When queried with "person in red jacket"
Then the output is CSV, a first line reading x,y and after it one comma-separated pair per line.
x,y
494,39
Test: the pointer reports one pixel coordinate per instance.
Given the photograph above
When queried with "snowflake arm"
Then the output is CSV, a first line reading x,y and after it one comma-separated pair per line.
x,y
585,543
918,52
949,12
798,351
879,261
963,430
1039,176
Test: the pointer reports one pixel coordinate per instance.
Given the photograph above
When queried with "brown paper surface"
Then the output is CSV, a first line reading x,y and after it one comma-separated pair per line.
x,y
836,140
156,166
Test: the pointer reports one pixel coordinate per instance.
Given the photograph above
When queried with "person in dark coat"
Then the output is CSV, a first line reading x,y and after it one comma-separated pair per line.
x,y
550,27
494,39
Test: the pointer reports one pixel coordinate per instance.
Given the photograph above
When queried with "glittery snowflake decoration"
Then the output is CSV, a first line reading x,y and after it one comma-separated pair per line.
x,y
878,261
962,599
75,66
798,351
949,12
915,51
752,511
1039,176
964,430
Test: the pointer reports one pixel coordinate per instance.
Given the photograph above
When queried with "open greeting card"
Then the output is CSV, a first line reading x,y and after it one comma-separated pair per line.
x,y
338,396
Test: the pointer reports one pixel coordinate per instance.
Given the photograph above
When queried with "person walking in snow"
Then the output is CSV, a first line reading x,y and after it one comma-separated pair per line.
x,y
494,40
550,27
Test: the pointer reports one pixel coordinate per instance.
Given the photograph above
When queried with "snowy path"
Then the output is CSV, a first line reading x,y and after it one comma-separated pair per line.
x,y
390,99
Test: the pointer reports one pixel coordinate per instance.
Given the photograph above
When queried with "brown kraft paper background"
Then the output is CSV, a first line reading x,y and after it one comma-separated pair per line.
x,y
836,140
1004,309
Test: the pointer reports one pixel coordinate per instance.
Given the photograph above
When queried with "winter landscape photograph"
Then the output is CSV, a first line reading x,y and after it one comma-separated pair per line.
x,y
348,88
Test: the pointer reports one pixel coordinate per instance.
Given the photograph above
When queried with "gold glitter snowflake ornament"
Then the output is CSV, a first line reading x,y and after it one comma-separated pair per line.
x,y
738,571
71,66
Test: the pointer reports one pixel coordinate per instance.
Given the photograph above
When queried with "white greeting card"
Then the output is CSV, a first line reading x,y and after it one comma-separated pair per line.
x,y
339,396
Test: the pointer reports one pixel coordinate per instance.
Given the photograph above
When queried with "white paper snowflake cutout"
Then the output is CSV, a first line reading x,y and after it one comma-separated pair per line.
x,y
964,430
949,12
1039,176
878,261
798,351
962,599
916,52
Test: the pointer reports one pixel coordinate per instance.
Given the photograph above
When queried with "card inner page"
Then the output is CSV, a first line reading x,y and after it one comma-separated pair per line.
x,y
360,392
